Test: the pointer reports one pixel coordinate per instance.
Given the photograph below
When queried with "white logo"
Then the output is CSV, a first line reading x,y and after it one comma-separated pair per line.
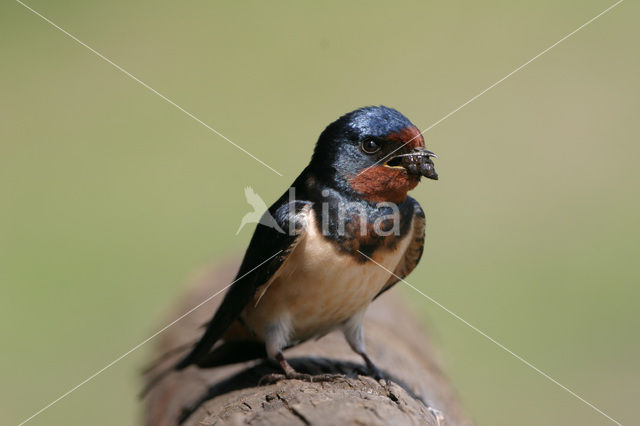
x,y
257,215
354,213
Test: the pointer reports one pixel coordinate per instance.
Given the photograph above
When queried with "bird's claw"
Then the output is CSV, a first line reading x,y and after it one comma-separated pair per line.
x,y
270,379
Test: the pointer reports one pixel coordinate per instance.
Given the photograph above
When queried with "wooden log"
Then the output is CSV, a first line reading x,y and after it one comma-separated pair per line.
x,y
418,393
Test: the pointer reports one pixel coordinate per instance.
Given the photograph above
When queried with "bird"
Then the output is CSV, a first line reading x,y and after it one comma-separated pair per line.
x,y
259,214
348,222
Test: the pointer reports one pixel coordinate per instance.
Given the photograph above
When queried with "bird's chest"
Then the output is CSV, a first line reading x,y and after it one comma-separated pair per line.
x,y
320,286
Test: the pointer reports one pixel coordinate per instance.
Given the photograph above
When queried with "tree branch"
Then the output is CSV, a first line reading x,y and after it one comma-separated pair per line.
x,y
418,393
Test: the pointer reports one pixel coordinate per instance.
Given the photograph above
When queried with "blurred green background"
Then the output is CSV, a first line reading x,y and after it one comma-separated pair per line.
x,y
110,197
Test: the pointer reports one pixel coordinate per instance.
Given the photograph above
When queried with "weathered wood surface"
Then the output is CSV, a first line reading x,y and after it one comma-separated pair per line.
x,y
419,392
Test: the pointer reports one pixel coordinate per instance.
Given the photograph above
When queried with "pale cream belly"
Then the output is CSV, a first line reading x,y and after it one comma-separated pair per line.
x,y
318,288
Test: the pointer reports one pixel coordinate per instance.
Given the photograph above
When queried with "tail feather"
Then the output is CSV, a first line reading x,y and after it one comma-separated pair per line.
x,y
154,381
232,352
163,357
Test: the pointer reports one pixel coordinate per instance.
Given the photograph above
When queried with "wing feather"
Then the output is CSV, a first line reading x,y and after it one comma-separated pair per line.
x,y
414,251
265,243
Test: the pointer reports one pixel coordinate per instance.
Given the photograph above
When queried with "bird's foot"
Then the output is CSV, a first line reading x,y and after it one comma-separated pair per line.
x,y
294,375
270,379
291,374
377,374
385,383
373,371
379,377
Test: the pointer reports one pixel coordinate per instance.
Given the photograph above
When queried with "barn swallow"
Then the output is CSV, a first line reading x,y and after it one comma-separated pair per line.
x,y
350,207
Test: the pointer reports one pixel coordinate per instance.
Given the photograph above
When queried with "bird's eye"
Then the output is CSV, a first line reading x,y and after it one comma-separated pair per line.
x,y
370,146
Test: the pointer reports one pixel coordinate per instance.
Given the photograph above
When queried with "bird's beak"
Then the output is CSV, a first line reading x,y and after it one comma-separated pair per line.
x,y
416,162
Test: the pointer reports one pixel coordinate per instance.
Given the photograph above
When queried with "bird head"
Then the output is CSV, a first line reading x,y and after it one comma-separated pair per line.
x,y
374,152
